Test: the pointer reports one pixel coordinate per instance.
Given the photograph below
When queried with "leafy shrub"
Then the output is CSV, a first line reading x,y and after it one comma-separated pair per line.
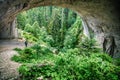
x,y
30,37
28,54
25,55
70,66
16,58
84,63
117,61
17,49
88,46
42,48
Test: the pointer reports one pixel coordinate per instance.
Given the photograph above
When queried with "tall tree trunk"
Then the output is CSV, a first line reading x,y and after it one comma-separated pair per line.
x,y
66,11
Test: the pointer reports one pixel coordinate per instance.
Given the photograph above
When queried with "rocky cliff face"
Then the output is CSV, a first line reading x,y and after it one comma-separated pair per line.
x,y
102,16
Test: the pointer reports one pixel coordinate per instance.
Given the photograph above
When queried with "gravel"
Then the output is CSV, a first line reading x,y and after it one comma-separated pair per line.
x,y
8,68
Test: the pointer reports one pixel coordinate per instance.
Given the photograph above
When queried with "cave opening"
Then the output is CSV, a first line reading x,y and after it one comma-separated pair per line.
x,y
99,16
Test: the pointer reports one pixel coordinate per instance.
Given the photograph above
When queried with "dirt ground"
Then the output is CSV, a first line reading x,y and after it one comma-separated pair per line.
x,y
8,68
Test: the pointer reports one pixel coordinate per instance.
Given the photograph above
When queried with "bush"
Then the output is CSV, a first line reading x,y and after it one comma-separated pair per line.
x,y
70,66
84,63
25,55
17,49
30,37
28,54
117,61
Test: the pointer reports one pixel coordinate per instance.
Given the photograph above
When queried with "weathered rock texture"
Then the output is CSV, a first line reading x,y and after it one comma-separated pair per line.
x,y
102,16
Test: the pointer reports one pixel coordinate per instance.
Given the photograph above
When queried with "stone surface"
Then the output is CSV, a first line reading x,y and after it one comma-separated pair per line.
x,y
102,16
8,68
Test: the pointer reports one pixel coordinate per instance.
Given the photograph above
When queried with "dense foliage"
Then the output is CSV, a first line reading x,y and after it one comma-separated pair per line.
x,y
72,64
50,21
60,50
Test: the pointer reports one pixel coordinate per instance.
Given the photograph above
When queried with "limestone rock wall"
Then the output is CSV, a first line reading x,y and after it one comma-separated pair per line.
x,y
102,16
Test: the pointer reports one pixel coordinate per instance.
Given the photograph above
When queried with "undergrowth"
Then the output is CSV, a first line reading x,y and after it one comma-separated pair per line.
x,y
72,64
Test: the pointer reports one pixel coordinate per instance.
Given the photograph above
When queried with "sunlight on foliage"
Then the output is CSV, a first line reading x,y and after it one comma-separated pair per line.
x,y
60,50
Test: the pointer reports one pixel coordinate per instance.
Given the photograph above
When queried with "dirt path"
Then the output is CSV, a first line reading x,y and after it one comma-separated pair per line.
x,y
8,68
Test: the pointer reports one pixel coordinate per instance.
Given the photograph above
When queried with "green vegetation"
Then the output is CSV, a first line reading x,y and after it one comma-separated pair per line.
x,y
60,50
70,66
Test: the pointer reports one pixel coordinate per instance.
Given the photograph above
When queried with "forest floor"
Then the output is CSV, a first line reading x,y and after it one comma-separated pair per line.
x,y
8,68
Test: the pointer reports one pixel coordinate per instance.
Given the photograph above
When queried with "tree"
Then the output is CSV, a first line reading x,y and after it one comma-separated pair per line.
x,y
21,20
50,21
36,29
28,28
71,37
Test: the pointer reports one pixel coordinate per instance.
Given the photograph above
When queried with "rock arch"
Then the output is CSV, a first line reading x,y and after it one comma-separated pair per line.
x,y
102,16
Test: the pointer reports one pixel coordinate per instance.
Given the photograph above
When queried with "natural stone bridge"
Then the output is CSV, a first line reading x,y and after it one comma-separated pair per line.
x,y
102,16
